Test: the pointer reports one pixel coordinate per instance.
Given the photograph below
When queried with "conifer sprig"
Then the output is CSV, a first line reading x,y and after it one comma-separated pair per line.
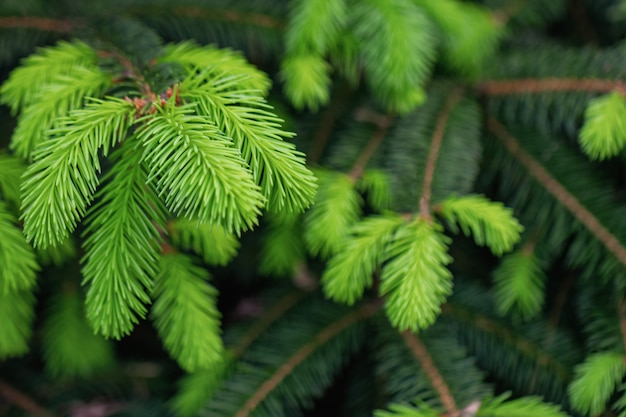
x,y
197,171
61,182
123,245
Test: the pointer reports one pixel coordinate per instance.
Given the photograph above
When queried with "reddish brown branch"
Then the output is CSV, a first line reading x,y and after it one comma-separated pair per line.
x,y
22,401
562,195
435,377
549,85
297,358
384,123
435,148
270,316
506,335
40,23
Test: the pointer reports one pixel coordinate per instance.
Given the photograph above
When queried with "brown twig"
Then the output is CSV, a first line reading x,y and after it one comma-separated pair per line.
x,y
558,191
428,366
325,127
621,311
433,153
22,401
549,85
383,122
297,358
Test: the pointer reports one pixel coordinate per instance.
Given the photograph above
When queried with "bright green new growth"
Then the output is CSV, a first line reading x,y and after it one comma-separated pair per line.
x,y
283,246
489,223
415,280
350,272
214,244
71,348
375,185
61,182
197,171
337,207
519,407
595,381
18,312
18,264
185,313
122,245
400,410
519,285
245,117
603,133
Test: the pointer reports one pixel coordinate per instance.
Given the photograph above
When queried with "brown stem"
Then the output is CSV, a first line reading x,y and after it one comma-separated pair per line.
x,y
429,367
549,85
507,335
22,401
433,153
40,23
383,123
325,128
303,353
558,191
270,316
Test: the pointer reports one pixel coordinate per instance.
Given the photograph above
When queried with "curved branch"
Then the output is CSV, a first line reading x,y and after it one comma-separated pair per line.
x,y
429,367
558,191
549,85
303,353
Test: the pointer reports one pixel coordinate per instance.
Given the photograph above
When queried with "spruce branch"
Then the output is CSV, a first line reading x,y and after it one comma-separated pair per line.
x,y
415,269
246,118
427,364
60,183
549,85
18,264
185,313
433,153
122,245
196,170
350,272
526,347
558,190
383,124
321,338
23,401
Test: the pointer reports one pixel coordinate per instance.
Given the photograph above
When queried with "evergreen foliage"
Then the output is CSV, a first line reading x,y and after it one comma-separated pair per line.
x,y
408,208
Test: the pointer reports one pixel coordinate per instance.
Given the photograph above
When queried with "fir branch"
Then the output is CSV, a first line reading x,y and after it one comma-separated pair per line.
x,y
621,311
506,334
427,364
433,153
23,401
549,85
560,193
383,124
337,207
185,313
122,246
197,170
303,353
350,272
278,309
62,180
70,347
18,264
245,117
415,269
